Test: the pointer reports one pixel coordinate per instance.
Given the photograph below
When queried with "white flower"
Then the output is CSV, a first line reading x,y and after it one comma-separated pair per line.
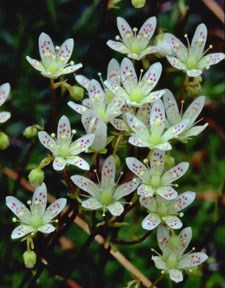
x,y
153,135
192,59
38,218
165,211
4,93
153,179
63,149
173,260
191,114
54,59
97,104
135,45
137,92
105,195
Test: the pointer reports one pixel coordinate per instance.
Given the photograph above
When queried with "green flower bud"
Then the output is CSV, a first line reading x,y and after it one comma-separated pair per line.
x,y
138,3
36,177
117,161
29,258
4,141
76,92
169,162
30,132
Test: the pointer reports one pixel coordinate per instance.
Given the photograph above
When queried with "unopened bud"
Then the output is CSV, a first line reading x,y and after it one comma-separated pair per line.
x,y
76,92
30,132
4,141
36,177
169,161
138,3
29,258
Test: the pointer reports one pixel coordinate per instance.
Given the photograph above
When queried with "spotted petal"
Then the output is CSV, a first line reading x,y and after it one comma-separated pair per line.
x,y
172,111
4,92
163,237
40,198
18,208
82,144
185,199
79,162
211,59
45,45
47,228
64,128
151,77
85,184
167,192
185,237
54,209
137,142
77,107
147,29
119,124
157,117
136,166
83,81
125,189
199,40
124,29
176,275
21,231
175,130
151,221
157,160
173,222
117,46
59,163
115,209
91,204
70,69
175,173
66,49
178,47
46,140
176,63
192,260
108,173
145,190
4,116
128,75
113,71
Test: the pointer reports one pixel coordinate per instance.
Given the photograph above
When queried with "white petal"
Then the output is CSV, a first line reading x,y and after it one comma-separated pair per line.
x,y
18,208
64,128
185,199
145,191
119,124
178,47
148,28
99,129
76,107
125,189
199,40
47,228
79,162
115,209
59,163
108,173
40,198
164,146
163,237
151,221
194,72
113,71
124,28
211,59
194,109
87,118
173,222
185,237
167,192
153,96
54,209
70,69
85,184
137,142
66,49
128,75
175,130
175,275
159,263
157,160
192,260
21,231
82,144
176,63
46,140
194,131
45,45
151,76
135,124
136,166
4,92
95,90
117,46
91,204
157,117
4,116
171,108
83,81
175,173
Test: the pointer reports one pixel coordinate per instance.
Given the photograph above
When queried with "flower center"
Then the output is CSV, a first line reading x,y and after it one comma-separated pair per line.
x,y
155,139
135,46
191,62
106,197
36,221
136,95
171,261
155,181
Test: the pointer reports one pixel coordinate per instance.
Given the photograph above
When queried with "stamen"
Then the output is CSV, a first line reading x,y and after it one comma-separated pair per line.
x,y
141,73
29,202
14,219
57,48
186,36
74,131
100,77
96,173
53,135
71,63
117,37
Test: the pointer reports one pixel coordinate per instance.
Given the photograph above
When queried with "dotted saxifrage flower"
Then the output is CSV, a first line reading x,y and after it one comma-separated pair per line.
x,y
155,135
38,218
135,45
107,194
191,114
154,181
165,211
54,60
4,93
64,151
137,92
192,59
173,260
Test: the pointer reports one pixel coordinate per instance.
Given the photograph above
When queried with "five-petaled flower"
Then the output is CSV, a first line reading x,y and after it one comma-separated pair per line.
x,y
153,179
192,59
135,45
107,194
137,92
4,93
54,60
153,135
165,211
191,114
38,218
173,260
63,149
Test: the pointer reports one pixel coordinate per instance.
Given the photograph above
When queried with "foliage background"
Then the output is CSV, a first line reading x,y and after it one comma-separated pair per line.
x,y
91,25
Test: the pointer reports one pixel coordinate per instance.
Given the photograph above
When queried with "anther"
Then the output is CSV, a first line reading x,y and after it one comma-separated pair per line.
x,y
57,48
117,37
14,219
52,135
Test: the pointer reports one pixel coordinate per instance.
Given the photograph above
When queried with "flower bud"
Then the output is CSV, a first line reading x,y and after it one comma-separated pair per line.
x,y
169,162
4,141
36,177
29,258
30,132
76,92
117,161
138,3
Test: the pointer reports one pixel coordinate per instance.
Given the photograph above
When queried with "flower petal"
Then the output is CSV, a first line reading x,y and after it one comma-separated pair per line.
x,y
151,221
21,231
178,47
66,49
157,161
79,162
99,129
159,263
108,173
125,189
185,199
211,59
185,237
115,209
175,173
176,63
59,163
83,81
157,117
45,45
113,71
54,209
85,184
153,96
128,75
119,124
64,128
151,76
145,190
70,69
194,72
124,29
163,237
117,46
167,192
175,275
175,130
199,40
4,116
137,142
46,140
76,107
4,92
47,228
172,111
136,166
18,208
192,260
173,222
91,204
40,198
82,144
147,29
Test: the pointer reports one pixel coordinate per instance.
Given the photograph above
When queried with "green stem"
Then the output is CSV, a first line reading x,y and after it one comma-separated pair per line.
x,y
120,137
157,281
54,105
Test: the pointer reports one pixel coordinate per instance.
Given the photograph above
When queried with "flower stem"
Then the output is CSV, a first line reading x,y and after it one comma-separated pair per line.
x,y
116,146
54,105
157,281
183,89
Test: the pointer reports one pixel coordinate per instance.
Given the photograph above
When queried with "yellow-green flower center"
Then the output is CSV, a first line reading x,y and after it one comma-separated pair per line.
x,y
136,95
36,221
156,181
171,261
106,197
135,46
192,62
